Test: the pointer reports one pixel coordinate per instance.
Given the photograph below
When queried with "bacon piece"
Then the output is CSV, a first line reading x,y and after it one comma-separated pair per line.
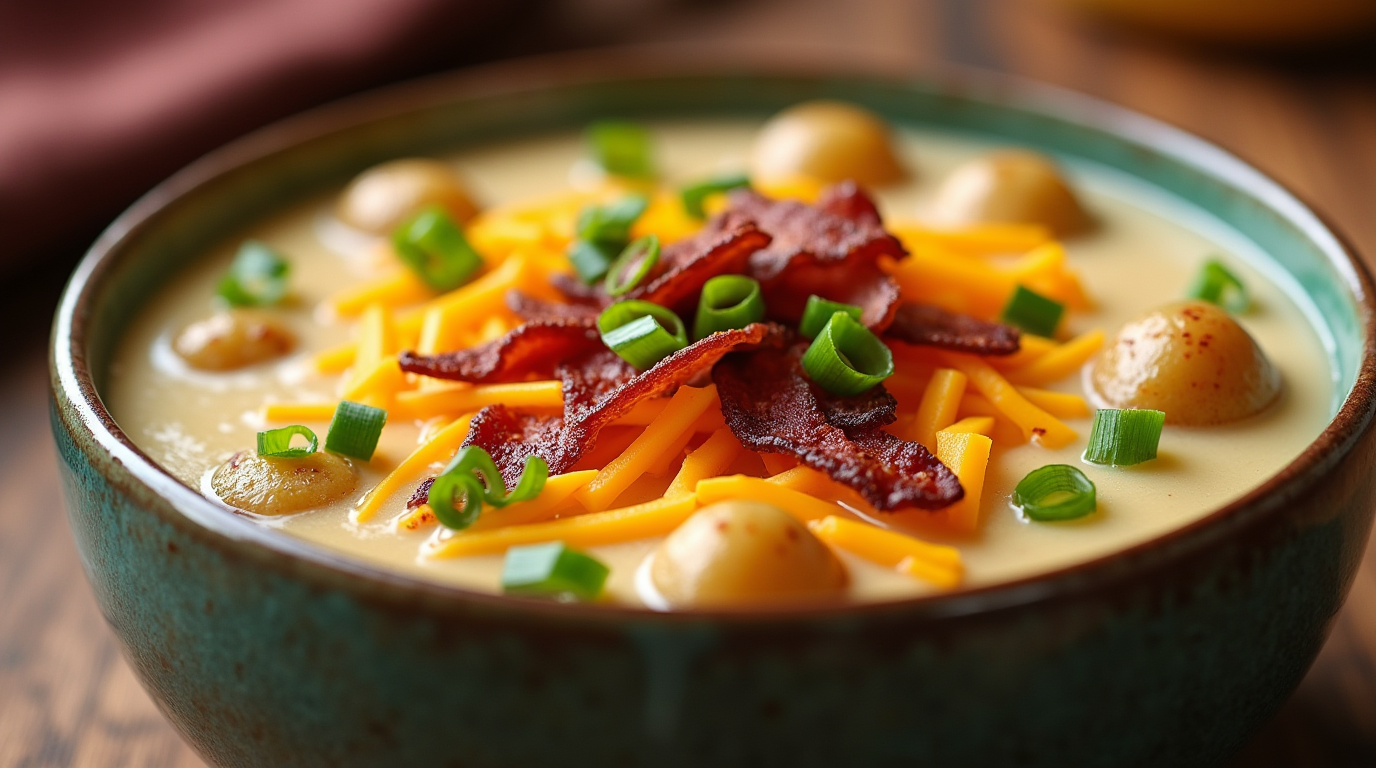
x,y
771,407
531,309
721,249
422,494
600,388
533,348
831,249
935,327
510,437
870,409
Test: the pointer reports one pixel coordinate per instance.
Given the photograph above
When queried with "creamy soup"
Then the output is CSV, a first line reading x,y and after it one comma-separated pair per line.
x,y
1142,251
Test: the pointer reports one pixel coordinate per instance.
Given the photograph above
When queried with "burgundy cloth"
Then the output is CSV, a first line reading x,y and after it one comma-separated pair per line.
x,y
101,100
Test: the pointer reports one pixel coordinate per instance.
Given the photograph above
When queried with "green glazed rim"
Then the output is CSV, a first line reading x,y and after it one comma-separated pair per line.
x,y
323,148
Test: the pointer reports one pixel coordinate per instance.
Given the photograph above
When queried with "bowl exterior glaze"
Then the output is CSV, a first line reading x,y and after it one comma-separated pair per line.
x,y
265,651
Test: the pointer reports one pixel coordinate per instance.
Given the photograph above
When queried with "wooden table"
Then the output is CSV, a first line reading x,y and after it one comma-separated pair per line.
x,y
68,699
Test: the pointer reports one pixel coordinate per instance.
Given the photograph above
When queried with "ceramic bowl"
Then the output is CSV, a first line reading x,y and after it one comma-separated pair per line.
x,y
268,651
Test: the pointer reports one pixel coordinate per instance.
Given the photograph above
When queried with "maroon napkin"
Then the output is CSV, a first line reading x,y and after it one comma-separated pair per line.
x,y
100,100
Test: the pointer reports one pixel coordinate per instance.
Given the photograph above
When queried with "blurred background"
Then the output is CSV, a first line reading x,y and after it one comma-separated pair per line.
x,y
99,101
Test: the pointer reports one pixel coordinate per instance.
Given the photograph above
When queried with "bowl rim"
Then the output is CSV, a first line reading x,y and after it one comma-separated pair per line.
x,y
189,512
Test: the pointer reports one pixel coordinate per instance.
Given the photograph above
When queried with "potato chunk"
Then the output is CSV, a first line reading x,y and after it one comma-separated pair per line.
x,y
744,552
269,486
230,340
1010,187
383,197
1191,360
826,140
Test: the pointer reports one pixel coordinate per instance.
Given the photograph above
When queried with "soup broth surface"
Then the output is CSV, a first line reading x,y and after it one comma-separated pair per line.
x,y
1143,253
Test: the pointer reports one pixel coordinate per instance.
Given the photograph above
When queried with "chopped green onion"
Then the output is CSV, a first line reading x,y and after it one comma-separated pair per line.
x,y
846,358
694,195
460,480
1122,438
611,223
1216,285
818,313
552,569
1055,492
434,247
603,231
633,265
621,148
355,429
590,260
1032,312
276,443
641,332
257,278
728,301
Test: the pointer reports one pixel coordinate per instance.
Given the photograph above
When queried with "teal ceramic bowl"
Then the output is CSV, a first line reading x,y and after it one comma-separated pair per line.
x,y
267,651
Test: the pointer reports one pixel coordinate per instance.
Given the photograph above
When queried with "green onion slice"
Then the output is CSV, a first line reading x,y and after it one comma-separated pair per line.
x,y
621,148
276,443
728,301
355,429
632,265
611,223
460,480
434,247
641,332
1033,312
1055,492
694,195
1123,438
1216,285
846,358
602,232
552,569
818,313
590,260
257,278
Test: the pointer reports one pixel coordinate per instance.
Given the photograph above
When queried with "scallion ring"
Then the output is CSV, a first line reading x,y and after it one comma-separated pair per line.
x,y
460,479
1055,492
727,302
694,195
1217,285
634,263
846,358
434,247
818,313
1123,438
355,430
276,443
590,260
1032,312
641,332
257,278
552,569
611,223
621,148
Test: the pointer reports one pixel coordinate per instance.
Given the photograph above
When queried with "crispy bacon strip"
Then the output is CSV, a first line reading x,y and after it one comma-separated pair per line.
x,y
534,310
935,327
533,348
721,249
771,407
831,249
600,388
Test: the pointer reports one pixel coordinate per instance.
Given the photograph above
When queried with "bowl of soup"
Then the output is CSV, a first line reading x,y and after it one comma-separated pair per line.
x,y
697,416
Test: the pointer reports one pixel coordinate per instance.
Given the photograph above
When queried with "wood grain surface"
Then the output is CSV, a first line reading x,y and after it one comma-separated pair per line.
x,y
68,699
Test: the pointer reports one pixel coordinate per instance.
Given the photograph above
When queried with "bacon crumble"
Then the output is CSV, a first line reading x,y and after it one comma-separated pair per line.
x,y
771,407
926,325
